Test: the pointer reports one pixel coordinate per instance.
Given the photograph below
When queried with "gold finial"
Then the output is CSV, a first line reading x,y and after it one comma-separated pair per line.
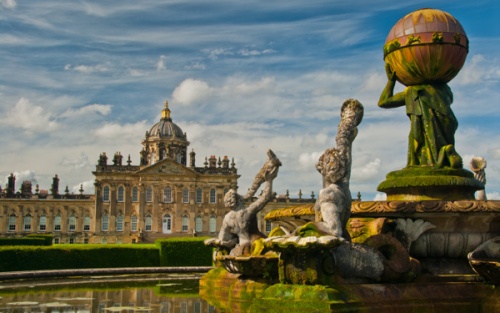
x,y
166,111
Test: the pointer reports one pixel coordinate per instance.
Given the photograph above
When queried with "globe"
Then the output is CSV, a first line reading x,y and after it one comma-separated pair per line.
x,y
427,46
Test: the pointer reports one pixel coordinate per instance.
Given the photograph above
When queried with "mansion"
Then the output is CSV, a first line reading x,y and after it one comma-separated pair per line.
x,y
165,195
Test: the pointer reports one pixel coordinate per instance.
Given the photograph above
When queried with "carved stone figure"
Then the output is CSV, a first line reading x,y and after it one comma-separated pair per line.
x,y
239,227
334,200
431,141
477,165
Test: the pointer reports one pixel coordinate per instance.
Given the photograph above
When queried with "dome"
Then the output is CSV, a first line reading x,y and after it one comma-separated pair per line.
x,y
165,128
426,46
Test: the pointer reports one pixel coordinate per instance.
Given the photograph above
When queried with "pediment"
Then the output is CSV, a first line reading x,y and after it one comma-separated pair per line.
x,y
166,167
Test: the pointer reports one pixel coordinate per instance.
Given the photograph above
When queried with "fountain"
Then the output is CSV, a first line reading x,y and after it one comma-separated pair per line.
x,y
422,249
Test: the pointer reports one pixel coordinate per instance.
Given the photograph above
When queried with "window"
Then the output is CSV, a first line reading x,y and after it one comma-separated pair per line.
x,y
269,226
42,225
212,196
86,223
149,194
133,223
197,307
121,194
198,225
27,223
213,222
105,222
105,194
72,223
56,240
185,223
119,222
185,195
167,195
167,224
57,223
85,240
199,195
12,222
71,240
179,158
135,194
104,241
149,223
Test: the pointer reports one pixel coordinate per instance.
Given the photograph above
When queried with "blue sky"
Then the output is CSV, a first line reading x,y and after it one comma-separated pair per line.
x,y
84,77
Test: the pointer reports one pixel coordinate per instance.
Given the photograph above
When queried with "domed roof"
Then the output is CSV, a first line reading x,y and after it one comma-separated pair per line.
x,y
165,128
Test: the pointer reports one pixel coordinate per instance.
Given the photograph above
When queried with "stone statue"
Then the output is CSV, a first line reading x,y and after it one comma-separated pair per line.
x,y
432,134
239,227
477,165
333,207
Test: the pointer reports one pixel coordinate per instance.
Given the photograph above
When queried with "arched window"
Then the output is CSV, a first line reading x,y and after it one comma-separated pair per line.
x,y
149,194
27,223
121,194
119,222
12,223
135,194
57,223
105,194
72,223
185,195
213,222
148,223
212,196
86,223
105,222
269,226
133,223
185,223
42,225
152,158
167,224
167,195
199,195
198,225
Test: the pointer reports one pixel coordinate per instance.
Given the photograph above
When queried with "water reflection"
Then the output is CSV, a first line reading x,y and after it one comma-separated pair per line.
x,y
118,294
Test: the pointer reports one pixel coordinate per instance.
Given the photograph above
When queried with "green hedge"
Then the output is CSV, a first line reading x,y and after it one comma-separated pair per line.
x,y
48,238
22,241
78,256
184,252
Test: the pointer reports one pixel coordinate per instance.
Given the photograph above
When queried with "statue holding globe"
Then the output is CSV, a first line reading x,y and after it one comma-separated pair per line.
x,y
424,51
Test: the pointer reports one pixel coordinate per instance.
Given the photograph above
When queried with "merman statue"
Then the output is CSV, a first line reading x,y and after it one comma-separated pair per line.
x,y
239,227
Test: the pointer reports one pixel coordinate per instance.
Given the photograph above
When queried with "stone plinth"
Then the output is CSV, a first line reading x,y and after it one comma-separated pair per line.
x,y
427,183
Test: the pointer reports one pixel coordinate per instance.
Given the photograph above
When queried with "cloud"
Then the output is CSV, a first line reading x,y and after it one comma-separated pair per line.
x,y
493,195
8,4
380,197
117,131
478,71
29,117
369,171
81,162
88,69
161,64
308,160
214,54
22,176
190,91
103,109
88,187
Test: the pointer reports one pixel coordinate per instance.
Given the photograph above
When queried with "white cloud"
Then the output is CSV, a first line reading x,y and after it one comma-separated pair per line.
x,y
161,64
29,117
380,197
215,53
77,163
369,171
22,176
190,91
117,131
478,70
8,4
492,195
87,69
88,187
103,109
308,160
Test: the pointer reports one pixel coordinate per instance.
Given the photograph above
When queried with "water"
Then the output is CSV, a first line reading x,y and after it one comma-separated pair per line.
x,y
133,293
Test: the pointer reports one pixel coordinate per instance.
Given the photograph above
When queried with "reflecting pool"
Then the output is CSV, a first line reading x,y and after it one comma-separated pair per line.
x,y
166,293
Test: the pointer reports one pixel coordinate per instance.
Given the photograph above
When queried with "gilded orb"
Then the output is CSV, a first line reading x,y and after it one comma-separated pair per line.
x,y
427,46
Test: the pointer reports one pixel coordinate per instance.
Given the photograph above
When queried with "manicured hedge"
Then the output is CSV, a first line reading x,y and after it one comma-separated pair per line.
x,y
29,240
184,252
78,256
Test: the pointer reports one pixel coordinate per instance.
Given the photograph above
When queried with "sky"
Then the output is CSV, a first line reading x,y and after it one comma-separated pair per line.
x,y
79,78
